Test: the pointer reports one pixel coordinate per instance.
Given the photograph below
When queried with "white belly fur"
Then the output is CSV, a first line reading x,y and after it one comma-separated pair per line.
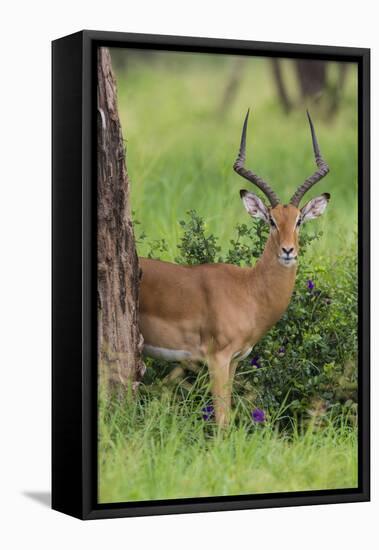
x,y
166,354
239,357
182,355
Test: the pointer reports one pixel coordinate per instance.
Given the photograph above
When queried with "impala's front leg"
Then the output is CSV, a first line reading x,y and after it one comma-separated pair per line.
x,y
218,366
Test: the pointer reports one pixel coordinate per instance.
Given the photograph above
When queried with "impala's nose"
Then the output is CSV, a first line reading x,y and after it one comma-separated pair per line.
x,y
287,251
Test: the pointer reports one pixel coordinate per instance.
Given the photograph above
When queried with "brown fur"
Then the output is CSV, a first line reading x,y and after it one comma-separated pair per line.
x,y
216,311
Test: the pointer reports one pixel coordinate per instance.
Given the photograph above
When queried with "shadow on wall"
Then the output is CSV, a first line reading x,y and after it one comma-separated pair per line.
x,y
42,497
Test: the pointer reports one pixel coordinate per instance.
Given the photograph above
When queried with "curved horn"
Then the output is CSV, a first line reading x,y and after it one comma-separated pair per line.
x,y
323,169
238,166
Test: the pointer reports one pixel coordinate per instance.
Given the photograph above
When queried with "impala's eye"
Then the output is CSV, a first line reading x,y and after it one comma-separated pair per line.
x,y
272,223
298,223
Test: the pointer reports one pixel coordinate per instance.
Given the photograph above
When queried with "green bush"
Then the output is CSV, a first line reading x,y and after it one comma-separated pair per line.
x,y
305,367
195,246
308,358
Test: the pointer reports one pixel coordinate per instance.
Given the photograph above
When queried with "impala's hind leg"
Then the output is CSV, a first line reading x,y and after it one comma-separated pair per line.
x,y
219,373
232,371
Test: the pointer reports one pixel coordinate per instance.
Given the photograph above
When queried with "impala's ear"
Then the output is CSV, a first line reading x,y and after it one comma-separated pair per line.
x,y
254,205
315,207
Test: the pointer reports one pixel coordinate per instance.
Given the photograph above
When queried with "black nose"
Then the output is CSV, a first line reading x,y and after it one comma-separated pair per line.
x,y
287,251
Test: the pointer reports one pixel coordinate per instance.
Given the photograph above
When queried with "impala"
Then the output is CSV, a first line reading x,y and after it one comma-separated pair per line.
x,y
216,313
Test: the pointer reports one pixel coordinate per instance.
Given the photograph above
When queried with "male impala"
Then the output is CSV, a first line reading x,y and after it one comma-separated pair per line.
x,y
216,313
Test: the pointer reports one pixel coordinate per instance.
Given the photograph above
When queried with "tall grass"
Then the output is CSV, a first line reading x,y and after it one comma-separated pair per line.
x,y
157,448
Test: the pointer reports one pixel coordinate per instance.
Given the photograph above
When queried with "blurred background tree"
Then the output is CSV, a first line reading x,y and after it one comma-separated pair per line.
x,y
315,83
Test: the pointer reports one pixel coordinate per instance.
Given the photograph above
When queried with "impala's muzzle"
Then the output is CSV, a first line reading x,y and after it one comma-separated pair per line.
x,y
288,256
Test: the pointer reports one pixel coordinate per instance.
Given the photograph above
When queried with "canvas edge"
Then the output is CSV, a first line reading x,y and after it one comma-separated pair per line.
x,y
83,502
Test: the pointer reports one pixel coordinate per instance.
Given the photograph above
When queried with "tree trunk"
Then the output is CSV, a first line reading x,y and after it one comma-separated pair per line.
x,y
232,85
280,85
119,339
311,77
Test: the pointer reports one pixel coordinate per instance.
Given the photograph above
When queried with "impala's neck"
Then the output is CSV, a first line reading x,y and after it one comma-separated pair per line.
x,y
272,283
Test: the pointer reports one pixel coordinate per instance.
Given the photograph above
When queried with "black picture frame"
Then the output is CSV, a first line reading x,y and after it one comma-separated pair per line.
x,y
74,387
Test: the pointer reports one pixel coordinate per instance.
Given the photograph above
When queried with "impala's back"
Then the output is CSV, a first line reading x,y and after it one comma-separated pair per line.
x,y
180,307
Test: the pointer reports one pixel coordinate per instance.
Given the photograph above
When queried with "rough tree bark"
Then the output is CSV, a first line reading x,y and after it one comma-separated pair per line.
x,y
119,339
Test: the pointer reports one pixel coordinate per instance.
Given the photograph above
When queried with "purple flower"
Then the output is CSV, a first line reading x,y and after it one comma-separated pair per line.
x,y
281,350
258,415
255,362
208,412
310,284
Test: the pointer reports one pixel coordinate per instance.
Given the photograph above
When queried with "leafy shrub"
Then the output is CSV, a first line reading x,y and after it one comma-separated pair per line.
x,y
305,367
195,246
309,357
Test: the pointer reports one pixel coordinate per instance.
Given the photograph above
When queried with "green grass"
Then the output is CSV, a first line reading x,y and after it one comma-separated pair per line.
x,y
158,449
180,152
180,149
